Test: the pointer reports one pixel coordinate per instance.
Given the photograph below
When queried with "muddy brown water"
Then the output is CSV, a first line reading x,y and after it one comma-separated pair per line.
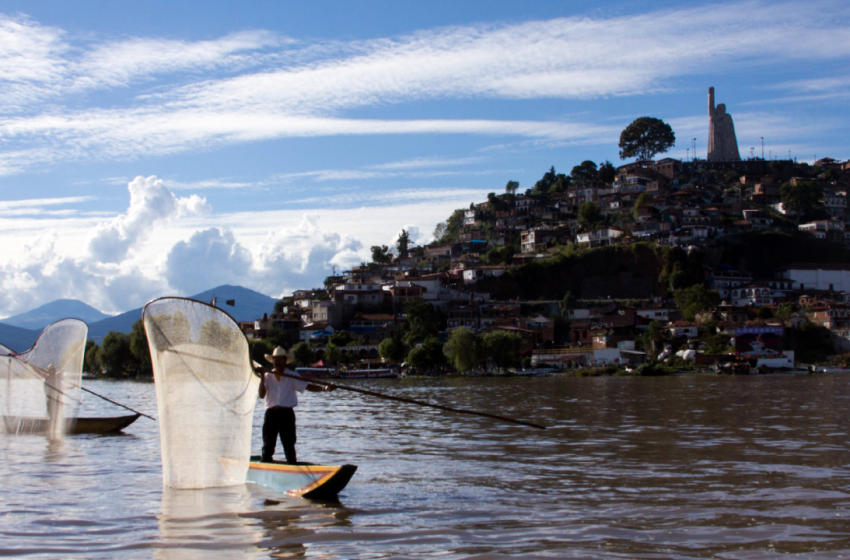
x,y
674,467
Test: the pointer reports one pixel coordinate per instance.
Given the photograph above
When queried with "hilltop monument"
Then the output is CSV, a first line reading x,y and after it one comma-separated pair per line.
x,y
722,143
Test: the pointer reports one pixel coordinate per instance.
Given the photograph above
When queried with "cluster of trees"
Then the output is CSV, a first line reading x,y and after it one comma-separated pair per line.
x,y
804,198
383,254
498,350
120,356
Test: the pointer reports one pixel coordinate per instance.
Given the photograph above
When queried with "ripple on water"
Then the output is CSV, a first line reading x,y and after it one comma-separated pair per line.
x,y
681,467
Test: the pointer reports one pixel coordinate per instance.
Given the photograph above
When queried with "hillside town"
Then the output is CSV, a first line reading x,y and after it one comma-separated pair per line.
x,y
732,259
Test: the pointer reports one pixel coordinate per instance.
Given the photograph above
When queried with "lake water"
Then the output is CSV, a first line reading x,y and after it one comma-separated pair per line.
x,y
675,467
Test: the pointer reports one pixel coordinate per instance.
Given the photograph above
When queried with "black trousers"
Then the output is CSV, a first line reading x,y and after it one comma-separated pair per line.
x,y
279,422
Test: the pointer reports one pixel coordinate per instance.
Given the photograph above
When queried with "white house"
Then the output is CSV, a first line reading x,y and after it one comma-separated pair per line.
x,y
478,272
819,276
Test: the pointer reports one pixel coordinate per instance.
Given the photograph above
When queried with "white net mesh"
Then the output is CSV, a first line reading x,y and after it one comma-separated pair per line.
x,y
205,391
41,387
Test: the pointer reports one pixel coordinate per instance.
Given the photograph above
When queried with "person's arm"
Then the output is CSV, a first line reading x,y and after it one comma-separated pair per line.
x,y
263,387
313,388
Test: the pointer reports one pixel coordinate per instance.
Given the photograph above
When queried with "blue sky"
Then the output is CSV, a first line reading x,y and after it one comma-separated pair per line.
x,y
155,148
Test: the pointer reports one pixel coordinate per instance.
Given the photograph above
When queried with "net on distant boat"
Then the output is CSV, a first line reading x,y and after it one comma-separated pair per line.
x,y
206,391
41,387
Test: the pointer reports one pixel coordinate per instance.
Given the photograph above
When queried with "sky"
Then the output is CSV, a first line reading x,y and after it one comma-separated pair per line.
x,y
163,148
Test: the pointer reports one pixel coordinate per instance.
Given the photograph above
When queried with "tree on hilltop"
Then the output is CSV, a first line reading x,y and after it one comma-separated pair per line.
x,y
646,137
551,182
512,187
606,172
381,254
403,244
584,173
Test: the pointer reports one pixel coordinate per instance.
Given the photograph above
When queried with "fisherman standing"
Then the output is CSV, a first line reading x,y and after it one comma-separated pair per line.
x,y
281,399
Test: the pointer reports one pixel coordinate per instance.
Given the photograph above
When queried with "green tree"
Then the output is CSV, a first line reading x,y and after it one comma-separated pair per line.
x,y
804,198
423,321
497,204
440,231
259,348
786,310
644,199
696,299
512,187
500,255
567,302
764,312
403,244
90,362
140,350
649,339
303,353
463,349
115,358
340,338
589,215
607,172
428,355
332,354
381,254
278,337
585,173
646,137
502,349
392,349
455,223
543,185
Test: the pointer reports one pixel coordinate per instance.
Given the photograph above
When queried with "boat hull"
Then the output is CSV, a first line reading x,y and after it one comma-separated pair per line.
x,y
83,425
306,480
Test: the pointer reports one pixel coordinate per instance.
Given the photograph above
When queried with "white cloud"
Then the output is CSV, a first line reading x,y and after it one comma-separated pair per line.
x,y
193,205
150,202
44,274
285,90
153,249
118,63
211,257
304,251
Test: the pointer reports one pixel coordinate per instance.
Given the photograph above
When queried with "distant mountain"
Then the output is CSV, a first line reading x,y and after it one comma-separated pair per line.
x,y
248,305
16,338
48,313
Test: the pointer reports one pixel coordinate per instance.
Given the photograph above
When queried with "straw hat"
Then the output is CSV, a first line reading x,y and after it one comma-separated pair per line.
x,y
281,351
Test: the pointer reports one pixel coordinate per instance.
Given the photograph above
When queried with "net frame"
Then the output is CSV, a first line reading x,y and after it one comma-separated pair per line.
x,y
206,396
41,386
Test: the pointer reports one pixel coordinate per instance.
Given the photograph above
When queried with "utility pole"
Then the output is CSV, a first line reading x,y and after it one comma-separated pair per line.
x,y
762,148
688,154
695,149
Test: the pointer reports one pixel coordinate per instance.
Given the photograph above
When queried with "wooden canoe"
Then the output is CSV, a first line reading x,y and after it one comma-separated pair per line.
x,y
82,425
306,480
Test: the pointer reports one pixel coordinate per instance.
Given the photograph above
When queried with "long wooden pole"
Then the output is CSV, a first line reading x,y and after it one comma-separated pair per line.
x,y
410,401
43,374
117,403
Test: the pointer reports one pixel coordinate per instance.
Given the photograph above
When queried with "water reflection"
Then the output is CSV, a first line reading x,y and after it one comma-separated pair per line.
x,y
689,467
240,523
206,524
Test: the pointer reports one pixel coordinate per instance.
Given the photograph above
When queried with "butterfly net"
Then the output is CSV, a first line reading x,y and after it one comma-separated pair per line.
x,y
41,387
205,392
